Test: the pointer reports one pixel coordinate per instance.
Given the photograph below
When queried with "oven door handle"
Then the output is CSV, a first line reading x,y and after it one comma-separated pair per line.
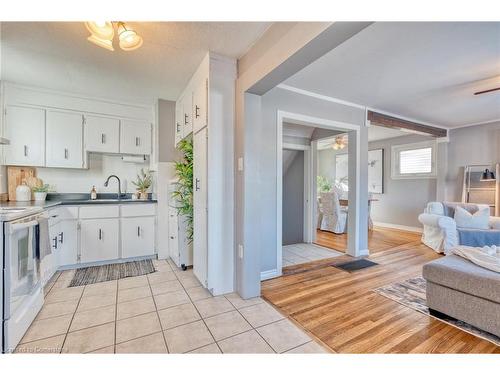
x,y
19,226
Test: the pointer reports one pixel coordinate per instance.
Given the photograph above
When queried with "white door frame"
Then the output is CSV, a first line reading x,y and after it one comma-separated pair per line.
x,y
308,198
316,122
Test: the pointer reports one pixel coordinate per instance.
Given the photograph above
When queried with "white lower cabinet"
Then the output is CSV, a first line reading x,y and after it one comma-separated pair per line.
x,y
67,243
138,236
99,240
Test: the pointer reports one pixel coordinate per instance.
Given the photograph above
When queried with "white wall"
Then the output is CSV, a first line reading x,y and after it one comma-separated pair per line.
x,y
100,167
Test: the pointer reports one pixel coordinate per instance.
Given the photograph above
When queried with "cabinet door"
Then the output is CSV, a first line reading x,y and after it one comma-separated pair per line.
x,y
200,105
102,134
68,243
99,240
200,245
64,139
25,128
187,109
178,122
135,138
138,236
48,264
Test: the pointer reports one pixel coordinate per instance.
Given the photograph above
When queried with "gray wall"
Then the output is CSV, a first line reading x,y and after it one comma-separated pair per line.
x,y
403,200
166,130
293,201
261,138
472,145
394,206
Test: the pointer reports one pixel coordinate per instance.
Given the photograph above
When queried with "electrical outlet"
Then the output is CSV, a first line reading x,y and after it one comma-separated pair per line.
x,y
240,251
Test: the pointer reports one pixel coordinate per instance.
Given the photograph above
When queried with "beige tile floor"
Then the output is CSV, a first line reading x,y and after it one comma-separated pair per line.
x,y
164,312
300,253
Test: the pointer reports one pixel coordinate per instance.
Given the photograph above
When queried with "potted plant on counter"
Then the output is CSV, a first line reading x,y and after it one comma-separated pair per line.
x,y
143,183
40,192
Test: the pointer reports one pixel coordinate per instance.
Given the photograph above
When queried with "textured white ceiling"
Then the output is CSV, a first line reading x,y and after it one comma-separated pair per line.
x,y
57,55
423,70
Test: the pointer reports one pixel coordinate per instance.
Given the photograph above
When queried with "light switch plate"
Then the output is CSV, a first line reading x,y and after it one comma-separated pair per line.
x,y
240,164
240,251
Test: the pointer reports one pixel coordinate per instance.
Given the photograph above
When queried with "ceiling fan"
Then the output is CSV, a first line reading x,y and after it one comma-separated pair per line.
x,y
486,91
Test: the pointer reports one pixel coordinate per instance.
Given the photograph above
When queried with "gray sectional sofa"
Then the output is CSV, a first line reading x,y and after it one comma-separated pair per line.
x,y
460,289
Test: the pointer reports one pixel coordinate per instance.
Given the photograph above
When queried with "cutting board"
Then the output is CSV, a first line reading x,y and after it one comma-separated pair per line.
x,y
15,176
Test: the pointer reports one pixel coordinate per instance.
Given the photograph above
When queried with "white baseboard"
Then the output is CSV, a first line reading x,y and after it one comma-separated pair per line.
x,y
397,226
270,274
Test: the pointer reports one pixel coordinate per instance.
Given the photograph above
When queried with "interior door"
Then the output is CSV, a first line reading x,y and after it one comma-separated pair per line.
x,y
64,139
25,128
200,243
102,134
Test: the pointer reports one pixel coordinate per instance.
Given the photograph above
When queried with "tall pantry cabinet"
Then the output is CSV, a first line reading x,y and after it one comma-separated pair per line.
x,y
205,112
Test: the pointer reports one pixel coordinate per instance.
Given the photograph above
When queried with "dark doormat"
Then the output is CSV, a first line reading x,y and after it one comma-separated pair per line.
x,y
355,265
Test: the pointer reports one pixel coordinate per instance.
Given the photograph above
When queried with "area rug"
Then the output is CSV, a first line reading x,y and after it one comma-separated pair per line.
x,y
411,293
355,265
108,272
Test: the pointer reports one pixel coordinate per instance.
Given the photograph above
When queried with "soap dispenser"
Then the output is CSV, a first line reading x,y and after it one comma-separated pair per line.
x,y
93,193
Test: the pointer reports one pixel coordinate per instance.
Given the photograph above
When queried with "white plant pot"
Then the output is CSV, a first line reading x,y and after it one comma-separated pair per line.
x,y
40,196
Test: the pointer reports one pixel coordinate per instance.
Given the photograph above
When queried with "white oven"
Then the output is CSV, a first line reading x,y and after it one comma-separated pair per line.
x,y
22,289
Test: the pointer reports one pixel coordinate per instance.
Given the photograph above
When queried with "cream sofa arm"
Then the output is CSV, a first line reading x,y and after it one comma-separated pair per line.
x,y
494,222
440,232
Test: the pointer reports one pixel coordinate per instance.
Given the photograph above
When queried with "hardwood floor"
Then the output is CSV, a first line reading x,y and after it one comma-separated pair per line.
x,y
379,239
342,310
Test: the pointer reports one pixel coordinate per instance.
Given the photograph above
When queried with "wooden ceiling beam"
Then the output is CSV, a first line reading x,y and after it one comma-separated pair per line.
x,y
380,119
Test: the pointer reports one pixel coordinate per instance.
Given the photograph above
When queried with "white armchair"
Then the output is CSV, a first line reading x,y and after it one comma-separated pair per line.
x,y
334,216
440,229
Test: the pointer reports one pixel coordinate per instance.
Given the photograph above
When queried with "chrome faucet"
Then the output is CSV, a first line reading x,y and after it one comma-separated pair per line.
x,y
119,185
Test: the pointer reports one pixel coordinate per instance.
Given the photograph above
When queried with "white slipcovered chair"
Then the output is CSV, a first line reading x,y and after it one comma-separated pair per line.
x,y
334,216
440,229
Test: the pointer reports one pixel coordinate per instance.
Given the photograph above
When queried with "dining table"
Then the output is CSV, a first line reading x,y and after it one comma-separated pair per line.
x,y
345,202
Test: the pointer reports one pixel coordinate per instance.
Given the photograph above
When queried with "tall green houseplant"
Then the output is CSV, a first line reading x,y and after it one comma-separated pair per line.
x,y
184,192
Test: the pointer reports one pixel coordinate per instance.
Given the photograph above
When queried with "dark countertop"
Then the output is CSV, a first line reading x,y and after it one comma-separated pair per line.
x,y
74,199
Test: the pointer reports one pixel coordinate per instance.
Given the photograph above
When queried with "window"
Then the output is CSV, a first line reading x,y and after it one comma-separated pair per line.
x,y
416,160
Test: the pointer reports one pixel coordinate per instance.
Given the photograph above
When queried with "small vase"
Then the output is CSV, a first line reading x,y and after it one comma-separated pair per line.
x,y
143,195
40,196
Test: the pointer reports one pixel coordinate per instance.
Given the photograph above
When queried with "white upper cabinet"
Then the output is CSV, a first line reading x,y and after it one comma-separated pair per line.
x,y
64,139
200,104
179,120
187,109
25,128
135,138
102,134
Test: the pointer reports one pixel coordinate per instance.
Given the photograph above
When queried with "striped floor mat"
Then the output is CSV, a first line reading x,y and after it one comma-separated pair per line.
x,y
108,272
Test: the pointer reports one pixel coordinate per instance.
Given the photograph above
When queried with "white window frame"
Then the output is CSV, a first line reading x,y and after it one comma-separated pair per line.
x,y
395,155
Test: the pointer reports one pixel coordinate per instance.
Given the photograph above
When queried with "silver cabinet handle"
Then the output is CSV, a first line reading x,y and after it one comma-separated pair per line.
x,y
178,127
138,231
185,119
61,237
197,184
100,233
137,141
25,150
55,242
196,109
65,153
103,138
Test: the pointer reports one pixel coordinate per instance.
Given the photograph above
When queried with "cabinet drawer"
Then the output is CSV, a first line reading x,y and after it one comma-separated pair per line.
x,y
99,211
138,209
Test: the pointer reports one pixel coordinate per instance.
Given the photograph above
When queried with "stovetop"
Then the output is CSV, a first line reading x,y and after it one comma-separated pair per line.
x,y
12,213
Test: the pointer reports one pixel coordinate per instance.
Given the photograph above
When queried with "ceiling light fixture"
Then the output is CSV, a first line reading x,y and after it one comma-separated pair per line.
x,y
340,143
102,34
129,39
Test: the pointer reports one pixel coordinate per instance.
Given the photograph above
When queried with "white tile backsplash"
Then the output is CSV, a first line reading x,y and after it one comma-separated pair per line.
x,y
66,180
